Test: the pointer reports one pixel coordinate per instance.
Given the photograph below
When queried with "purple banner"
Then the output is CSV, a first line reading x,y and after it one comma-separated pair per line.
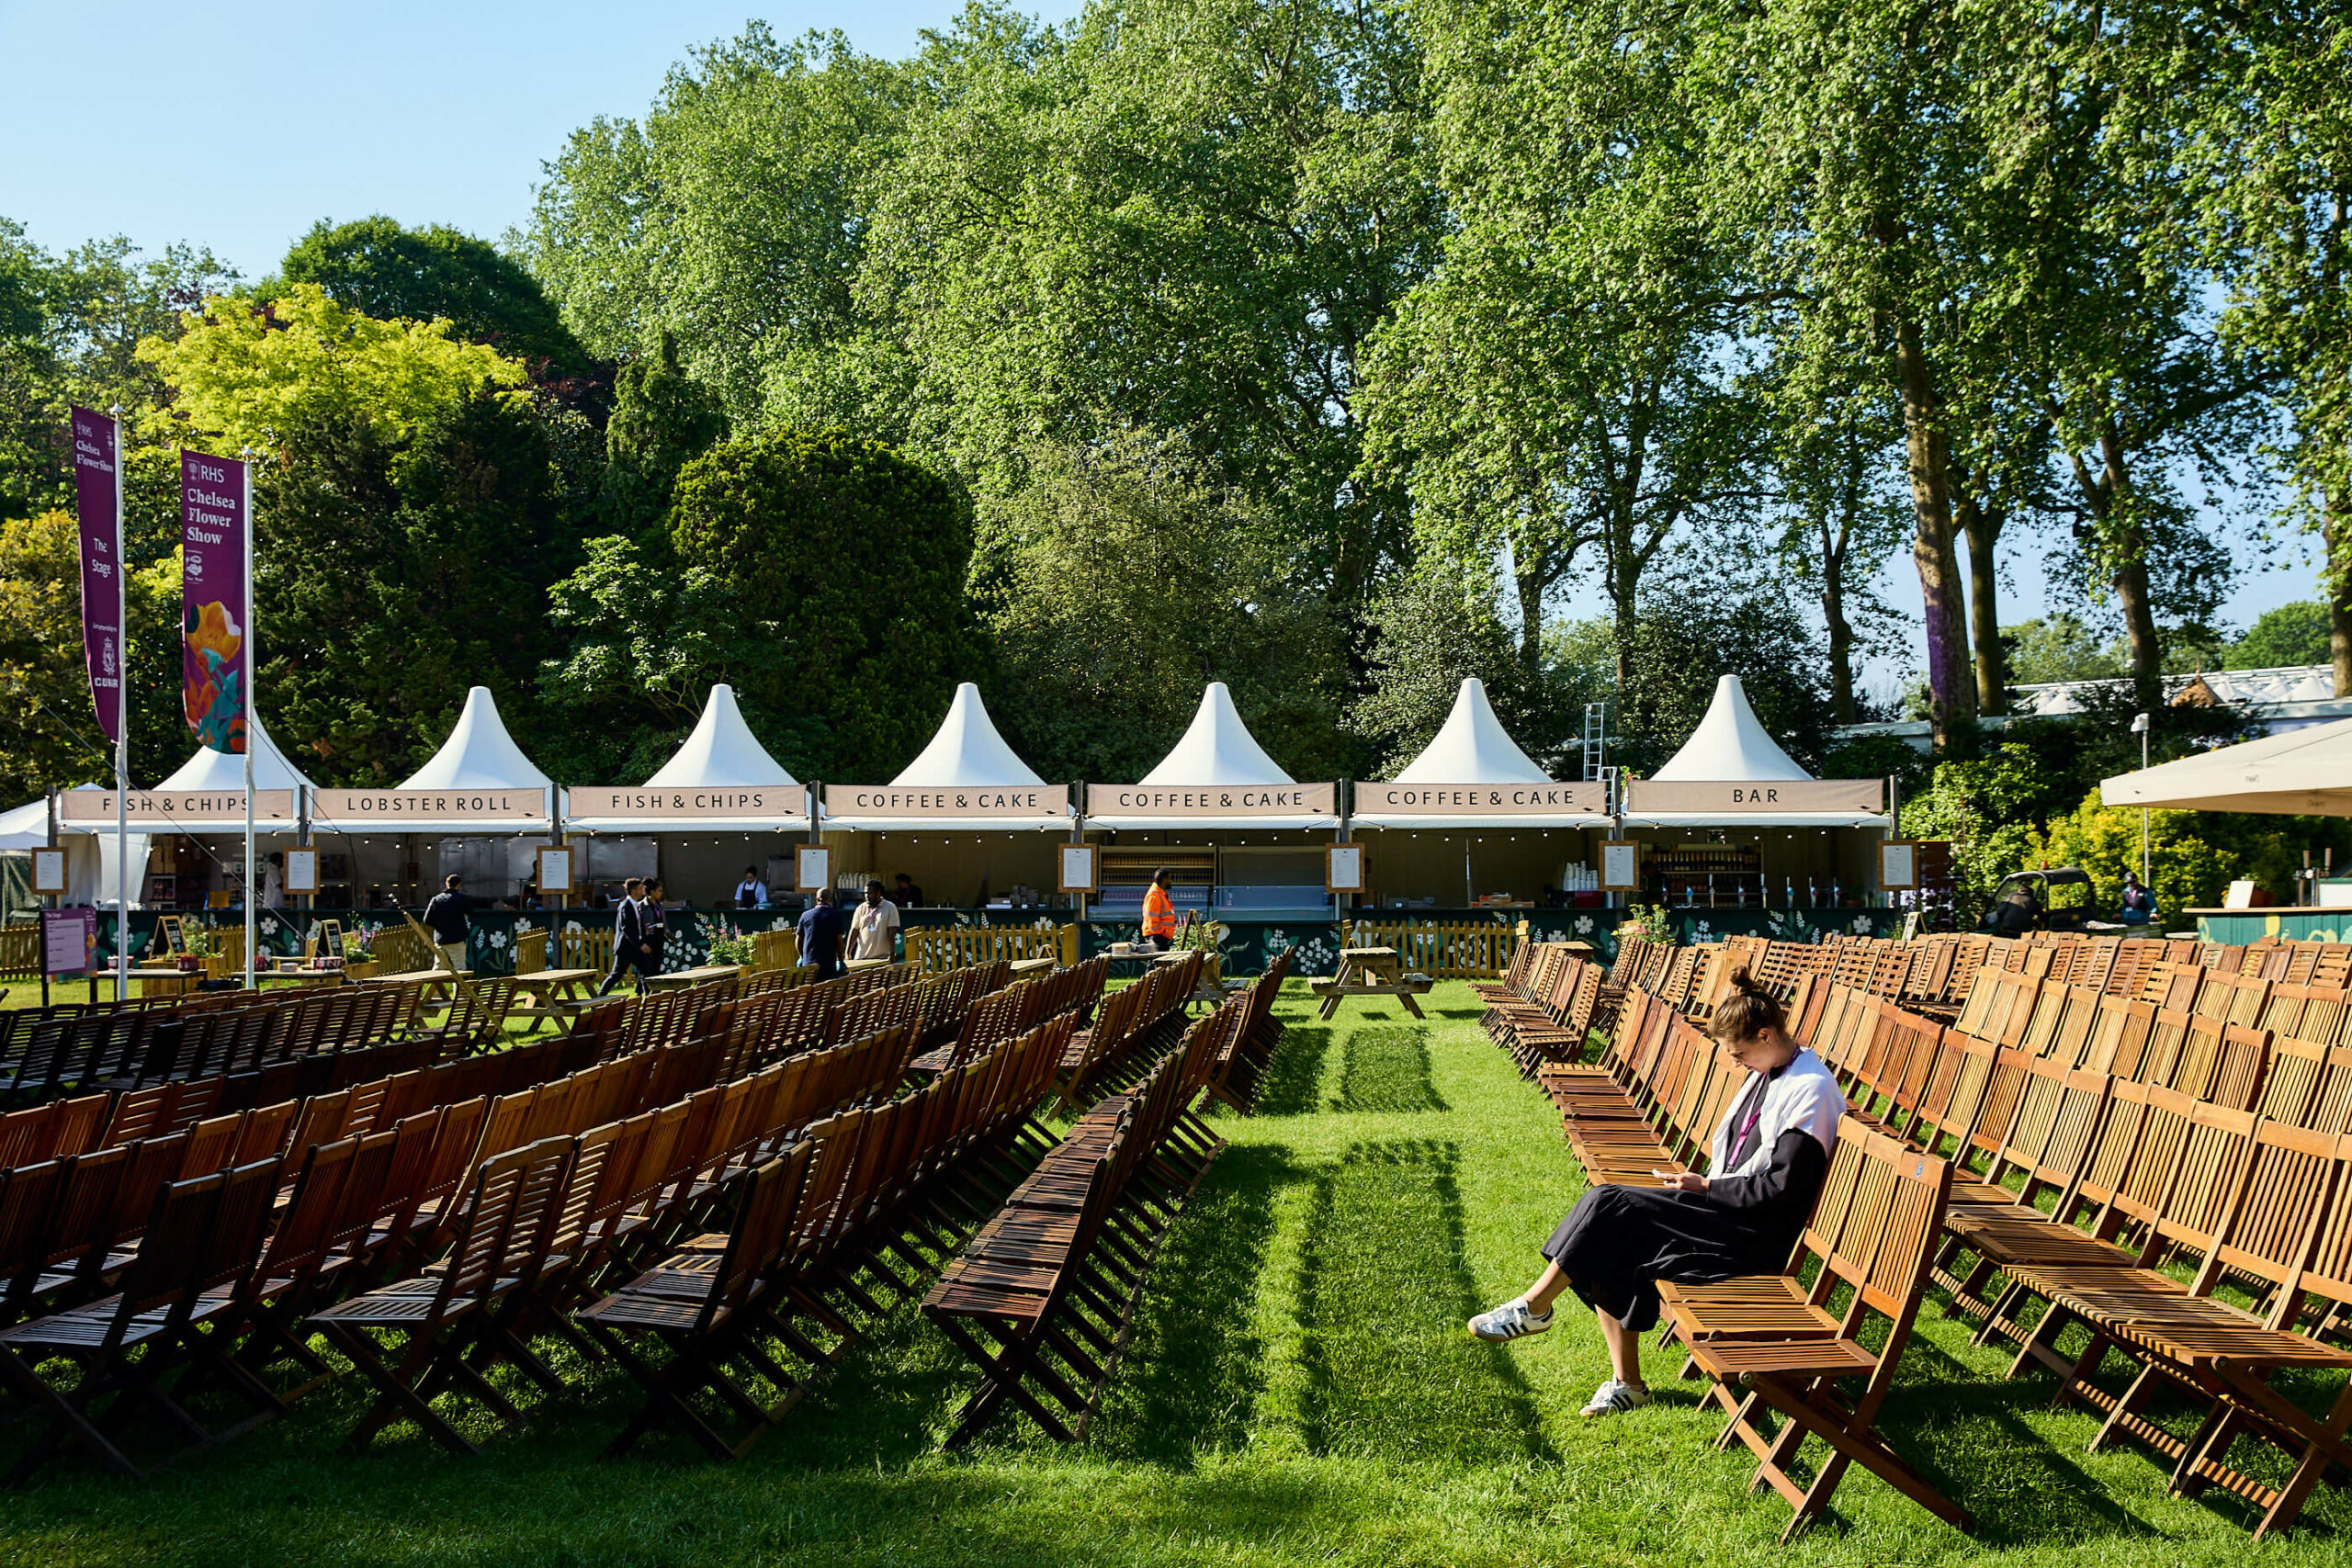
x,y
97,506
213,663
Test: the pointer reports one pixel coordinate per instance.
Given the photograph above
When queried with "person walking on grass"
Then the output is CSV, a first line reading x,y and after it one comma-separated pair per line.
x,y
628,936
1159,913
874,926
821,931
1770,1154
444,917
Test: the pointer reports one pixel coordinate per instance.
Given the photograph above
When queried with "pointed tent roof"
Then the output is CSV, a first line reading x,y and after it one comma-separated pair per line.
x,y
721,751
965,752
1730,743
211,769
1217,750
967,749
1472,747
2305,772
478,754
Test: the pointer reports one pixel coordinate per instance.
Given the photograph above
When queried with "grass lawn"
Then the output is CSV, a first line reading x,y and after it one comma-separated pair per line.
x,y
1300,1391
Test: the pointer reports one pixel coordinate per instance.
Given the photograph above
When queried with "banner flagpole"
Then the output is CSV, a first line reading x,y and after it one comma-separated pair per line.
x,y
253,714
121,740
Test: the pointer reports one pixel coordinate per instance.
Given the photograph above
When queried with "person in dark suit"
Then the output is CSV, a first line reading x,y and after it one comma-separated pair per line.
x,y
629,951
821,931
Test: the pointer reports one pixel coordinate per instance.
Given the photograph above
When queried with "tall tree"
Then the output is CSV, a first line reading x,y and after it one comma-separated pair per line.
x,y
436,273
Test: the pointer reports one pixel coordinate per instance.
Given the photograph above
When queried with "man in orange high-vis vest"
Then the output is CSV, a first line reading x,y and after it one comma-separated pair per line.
x,y
1159,912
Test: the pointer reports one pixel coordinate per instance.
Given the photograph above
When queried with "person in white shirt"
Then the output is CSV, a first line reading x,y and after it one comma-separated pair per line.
x,y
874,926
752,893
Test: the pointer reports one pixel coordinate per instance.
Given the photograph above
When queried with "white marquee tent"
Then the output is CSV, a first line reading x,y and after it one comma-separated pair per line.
x,y
966,753
1215,751
2303,771
722,755
1471,748
1731,745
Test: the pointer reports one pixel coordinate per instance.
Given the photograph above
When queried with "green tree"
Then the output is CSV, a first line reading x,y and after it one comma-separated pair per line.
x,y
1186,216
246,377
842,565
378,268
1433,628
2193,856
2291,634
661,418
733,215
1687,638
2058,647
1120,579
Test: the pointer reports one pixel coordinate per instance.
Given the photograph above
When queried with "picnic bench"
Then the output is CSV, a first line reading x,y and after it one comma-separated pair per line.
x,y
1369,972
686,979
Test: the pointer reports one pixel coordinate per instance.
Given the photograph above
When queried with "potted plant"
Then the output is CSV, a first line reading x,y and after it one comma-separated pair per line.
x,y
731,946
1647,921
198,941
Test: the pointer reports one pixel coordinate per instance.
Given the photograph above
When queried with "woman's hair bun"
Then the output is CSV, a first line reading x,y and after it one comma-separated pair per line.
x,y
1741,980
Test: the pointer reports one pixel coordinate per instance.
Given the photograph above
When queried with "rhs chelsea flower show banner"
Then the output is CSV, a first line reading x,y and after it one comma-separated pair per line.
x,y
215,533
97,507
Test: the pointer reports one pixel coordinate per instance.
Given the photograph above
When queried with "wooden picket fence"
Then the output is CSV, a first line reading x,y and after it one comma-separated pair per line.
x,y
935,950
1459,949
20,948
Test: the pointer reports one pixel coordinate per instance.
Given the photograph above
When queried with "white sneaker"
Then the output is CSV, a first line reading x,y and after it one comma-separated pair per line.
x,y
1613,1396
1512,1320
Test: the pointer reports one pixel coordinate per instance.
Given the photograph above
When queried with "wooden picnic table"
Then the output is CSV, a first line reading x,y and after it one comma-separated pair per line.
x,y
1368,972
158,980
552,991
849,963
1032,966
679,980
442,983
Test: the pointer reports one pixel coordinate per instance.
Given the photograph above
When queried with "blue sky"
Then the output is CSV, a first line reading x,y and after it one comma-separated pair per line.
x,y
237,126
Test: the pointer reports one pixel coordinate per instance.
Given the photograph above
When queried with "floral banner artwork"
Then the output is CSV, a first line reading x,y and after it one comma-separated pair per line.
x,y
215,532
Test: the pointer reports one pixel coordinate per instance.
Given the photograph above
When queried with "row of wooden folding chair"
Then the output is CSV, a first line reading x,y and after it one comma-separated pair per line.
x,y
1131,1024
1042,1296
1246,1051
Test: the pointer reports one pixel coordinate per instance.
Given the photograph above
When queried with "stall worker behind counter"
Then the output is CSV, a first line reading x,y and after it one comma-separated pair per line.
x,y
1159,913
752,893
908,896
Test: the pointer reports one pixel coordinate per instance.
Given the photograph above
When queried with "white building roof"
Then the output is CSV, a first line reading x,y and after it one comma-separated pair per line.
x,y
210,770
1217,750
1472,747
721,751
2297,771
478,754
2282,687
967,749
1730,743
965,752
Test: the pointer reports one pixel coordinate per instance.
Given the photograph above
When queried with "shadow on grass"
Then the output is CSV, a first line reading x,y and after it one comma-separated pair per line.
x,y
1384,1290
1387,1070
1296,1071
1190,1380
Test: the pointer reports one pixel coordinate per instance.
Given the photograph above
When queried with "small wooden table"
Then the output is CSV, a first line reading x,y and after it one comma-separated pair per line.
x,y
849,964
680,979
1368,972
158,981
440,984
1032,966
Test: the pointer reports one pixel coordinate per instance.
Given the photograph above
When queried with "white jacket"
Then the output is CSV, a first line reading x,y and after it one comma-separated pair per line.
x,y
1806,1097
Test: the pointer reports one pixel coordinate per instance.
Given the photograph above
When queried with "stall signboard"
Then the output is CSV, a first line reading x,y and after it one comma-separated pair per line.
x,y
189,810
49,871
1482,799
1621,865
1016,805
717,802
1766,798
302,871
1898,865
555,869
1213,800
68,937
812,868
1343,868
345,809
1080,869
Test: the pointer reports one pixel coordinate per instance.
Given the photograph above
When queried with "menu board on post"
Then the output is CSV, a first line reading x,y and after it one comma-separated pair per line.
x,y
302,871
1621,865
555,869
1079,869
1898,865
49,871
68,937
1343,868
813,868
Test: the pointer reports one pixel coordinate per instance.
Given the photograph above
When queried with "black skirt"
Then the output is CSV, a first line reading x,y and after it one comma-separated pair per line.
x,y
1619,1242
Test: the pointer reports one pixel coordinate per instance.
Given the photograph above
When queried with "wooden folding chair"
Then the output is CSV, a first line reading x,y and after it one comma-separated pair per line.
x,y
1788,1347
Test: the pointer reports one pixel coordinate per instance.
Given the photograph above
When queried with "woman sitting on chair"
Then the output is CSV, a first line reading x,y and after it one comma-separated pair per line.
x,y
1770,1155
